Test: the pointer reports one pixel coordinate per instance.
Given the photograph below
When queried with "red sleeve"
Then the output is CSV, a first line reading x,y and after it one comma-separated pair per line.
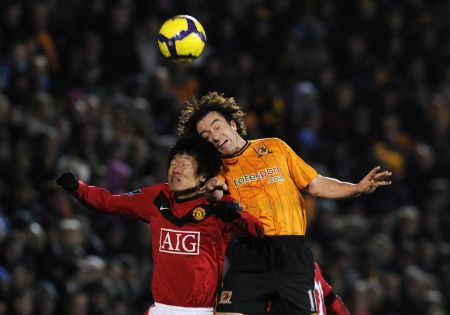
x,y
131,204
333,302
246,225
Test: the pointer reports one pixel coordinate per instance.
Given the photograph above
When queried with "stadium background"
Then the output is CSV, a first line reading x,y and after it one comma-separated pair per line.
x,y
348,84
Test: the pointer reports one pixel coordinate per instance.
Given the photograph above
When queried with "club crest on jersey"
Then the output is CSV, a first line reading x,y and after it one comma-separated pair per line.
x,y
199,213
261,150
225,297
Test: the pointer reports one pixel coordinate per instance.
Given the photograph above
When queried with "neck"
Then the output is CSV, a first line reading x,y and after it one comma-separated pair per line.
x,y
187,193
241,143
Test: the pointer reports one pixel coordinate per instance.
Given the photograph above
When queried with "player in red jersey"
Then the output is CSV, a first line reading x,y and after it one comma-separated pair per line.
x,y
189,234
327,301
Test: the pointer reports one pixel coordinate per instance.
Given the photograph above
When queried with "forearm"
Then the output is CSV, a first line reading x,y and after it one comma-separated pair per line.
x,y
326,187
94,197
247,225
100,199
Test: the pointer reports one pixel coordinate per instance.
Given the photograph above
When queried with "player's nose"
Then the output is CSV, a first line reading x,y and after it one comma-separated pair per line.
x,y
215,137
176,170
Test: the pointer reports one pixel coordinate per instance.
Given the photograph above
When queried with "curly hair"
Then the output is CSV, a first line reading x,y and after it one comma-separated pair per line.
x,y
208,159
196,109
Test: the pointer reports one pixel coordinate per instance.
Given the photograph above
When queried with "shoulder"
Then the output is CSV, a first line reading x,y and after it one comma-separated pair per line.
x,y
154,189
268,142
264,140
271,144
160,186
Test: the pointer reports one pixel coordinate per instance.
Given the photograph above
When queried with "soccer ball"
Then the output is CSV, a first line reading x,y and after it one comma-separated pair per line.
x,y
181,38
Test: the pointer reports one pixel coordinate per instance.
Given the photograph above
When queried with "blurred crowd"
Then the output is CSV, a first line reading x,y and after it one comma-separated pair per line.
x,y
348,84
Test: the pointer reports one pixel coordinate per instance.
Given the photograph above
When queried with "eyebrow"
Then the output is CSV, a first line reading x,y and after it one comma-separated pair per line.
x,y
183,157
212,123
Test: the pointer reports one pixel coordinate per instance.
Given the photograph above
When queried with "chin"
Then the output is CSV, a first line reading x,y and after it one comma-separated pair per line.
x,y
224,152
175,188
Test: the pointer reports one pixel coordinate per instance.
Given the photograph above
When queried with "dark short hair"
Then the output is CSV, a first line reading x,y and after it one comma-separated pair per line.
x,y
208,159
196,109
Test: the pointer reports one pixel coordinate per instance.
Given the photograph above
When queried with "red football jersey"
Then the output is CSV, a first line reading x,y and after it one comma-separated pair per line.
x,y
189,241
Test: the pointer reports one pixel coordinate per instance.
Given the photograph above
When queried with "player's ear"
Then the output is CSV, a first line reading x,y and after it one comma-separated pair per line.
x,y
233,125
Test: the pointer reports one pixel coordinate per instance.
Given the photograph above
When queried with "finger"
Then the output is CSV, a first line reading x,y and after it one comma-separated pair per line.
x,y
383,175
204,188
220,186
383,183
374,171
213,181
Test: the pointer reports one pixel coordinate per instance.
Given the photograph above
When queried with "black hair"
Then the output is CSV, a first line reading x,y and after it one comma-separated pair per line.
x,y
208,159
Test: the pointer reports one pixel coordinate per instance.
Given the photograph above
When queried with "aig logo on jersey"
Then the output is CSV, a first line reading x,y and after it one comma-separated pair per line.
x,y
179,242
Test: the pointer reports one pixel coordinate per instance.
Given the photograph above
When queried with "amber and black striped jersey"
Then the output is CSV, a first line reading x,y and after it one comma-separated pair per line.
x,y
266,177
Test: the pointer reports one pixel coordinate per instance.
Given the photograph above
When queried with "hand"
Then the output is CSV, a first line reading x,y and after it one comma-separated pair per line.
x,y
373,180
213,189
227,211
68,181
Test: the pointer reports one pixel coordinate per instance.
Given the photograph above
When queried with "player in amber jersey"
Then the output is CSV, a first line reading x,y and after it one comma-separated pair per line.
x,y
274,163
268,177
189,234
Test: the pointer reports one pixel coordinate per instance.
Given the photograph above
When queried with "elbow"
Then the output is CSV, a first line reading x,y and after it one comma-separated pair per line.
x,y
313,191
314,187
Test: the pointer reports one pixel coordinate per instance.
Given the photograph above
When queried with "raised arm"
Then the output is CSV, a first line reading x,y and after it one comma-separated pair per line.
x,y
100,199
327,187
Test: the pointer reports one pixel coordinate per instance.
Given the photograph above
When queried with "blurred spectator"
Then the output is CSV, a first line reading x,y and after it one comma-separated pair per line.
x,y
345,84
45,298
21,302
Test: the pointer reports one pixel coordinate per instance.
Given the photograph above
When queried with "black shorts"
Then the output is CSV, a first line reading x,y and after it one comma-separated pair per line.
x,y
279,269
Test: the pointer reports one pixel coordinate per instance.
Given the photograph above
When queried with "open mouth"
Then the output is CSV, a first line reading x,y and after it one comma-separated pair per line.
x,y
221,143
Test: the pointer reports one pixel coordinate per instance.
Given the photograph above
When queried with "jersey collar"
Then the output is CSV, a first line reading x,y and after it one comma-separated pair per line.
x,y
241,150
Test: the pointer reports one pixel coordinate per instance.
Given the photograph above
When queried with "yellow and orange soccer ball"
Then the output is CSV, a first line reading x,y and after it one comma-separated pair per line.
x,y
182,39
